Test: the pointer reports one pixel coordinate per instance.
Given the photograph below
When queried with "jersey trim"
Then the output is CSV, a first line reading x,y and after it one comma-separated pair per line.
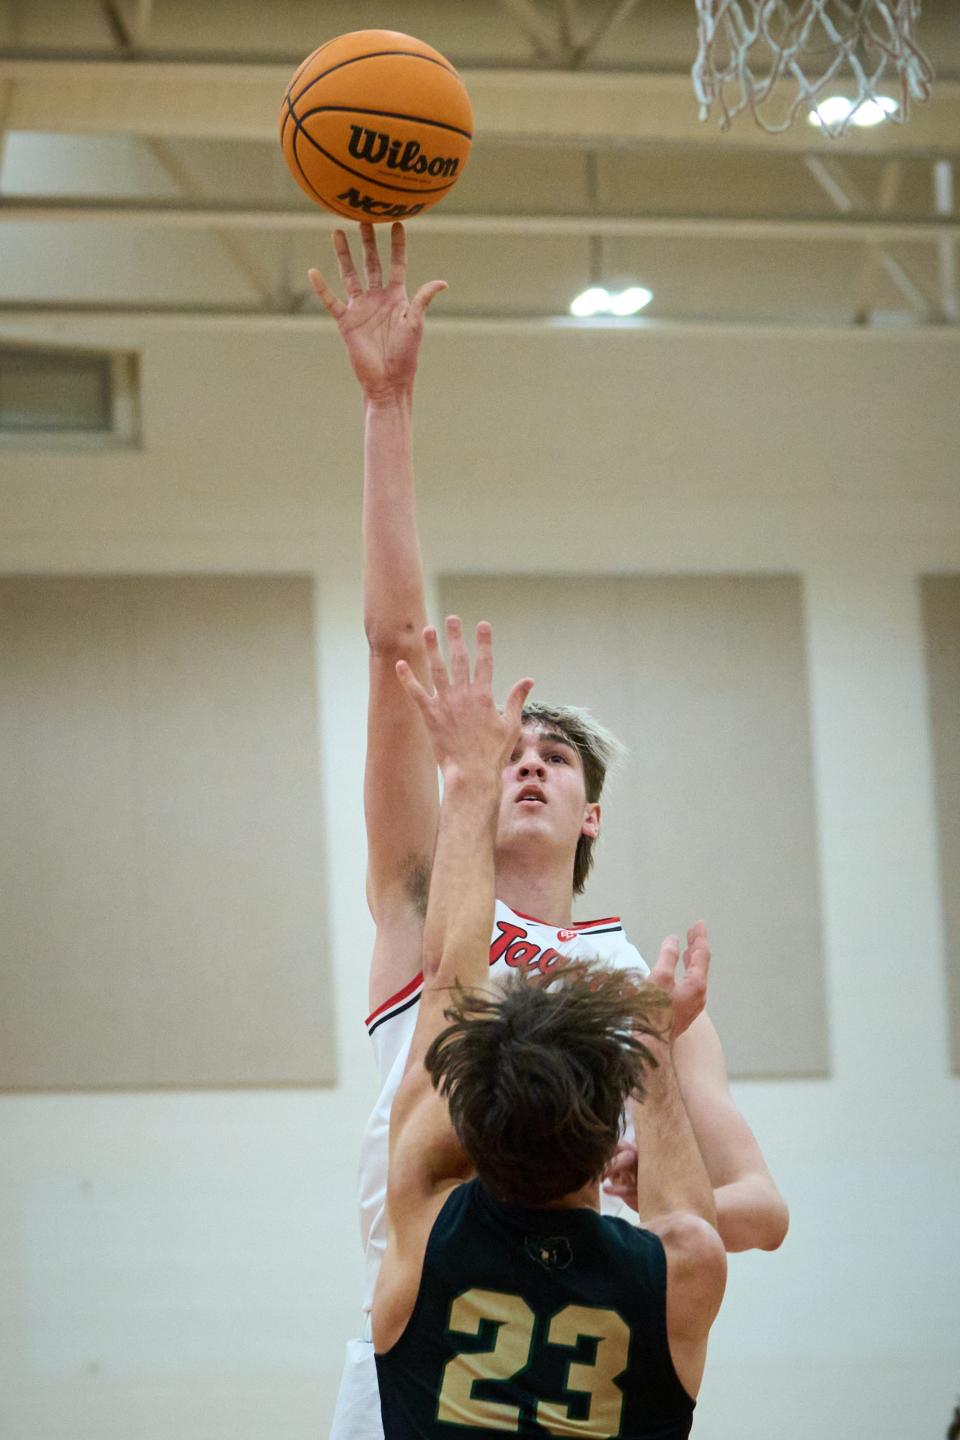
x,y
411,991
612,920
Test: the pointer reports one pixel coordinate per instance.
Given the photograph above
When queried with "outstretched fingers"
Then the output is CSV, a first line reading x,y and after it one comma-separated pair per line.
x,y
438,670
325,295
348,271
457,650
696,957
425,294
412,686
398,254
371,256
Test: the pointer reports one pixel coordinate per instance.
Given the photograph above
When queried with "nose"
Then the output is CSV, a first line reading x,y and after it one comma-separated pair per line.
x,y
531,764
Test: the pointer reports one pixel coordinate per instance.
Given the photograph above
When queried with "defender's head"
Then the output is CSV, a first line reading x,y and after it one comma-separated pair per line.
x,y
552,785
537,1076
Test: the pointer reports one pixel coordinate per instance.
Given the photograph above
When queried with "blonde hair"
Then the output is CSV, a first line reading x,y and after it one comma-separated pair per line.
x,y
598,748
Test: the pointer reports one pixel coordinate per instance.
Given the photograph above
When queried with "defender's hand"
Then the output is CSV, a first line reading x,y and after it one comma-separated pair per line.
x,y
469,734
381,326
688,992
620,1174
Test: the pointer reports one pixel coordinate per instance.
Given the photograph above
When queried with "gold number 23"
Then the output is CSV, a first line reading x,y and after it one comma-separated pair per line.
x,y
458,1405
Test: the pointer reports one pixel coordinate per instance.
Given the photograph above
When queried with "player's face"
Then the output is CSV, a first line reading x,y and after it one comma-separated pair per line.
x,y
544,793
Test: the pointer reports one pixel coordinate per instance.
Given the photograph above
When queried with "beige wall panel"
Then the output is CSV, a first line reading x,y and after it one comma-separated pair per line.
x,y
160,837
941,606
712,814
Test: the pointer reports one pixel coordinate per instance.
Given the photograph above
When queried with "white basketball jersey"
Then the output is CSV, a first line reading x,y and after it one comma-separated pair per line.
x,y
519,942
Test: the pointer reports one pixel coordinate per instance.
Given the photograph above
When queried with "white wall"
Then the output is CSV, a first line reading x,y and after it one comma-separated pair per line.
x,y
178,1264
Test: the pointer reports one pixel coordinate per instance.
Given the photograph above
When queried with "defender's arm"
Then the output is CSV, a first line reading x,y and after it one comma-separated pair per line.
x,y
674,1195
470,740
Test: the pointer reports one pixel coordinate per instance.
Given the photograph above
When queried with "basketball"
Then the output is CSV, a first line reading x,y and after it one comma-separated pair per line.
x,y
376,126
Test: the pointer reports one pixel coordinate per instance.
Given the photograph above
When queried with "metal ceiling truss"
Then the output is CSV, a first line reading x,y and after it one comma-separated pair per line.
x,y
161,100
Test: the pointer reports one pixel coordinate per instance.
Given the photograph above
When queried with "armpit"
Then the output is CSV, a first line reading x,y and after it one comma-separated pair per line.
x,y
415,870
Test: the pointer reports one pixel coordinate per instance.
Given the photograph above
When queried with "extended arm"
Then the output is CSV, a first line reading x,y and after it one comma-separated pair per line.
x,y
382,330
751,1213
470,741
675,1198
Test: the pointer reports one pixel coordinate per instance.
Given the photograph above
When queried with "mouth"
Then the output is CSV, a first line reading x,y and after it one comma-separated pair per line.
x,y
531,796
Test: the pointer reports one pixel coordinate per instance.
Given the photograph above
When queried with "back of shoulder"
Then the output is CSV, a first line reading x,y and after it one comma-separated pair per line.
x,y
696,1262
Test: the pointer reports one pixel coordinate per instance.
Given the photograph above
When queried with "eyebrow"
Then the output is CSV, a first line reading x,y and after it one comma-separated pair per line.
x,y
552,737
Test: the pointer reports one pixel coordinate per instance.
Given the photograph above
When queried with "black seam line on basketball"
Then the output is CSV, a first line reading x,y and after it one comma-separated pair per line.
x,y
375,55
368,179
387,115
399,1011
306,179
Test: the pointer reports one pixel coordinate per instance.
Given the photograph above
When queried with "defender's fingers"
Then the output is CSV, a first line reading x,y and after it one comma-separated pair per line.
x,y
483,665
398,254
457,651
425,294
513,709
371,256
664,971
325,295
698,963
438,671
622,1163
412,685
348,272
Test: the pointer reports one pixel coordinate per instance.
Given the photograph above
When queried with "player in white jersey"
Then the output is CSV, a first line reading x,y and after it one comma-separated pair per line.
x,y
550,811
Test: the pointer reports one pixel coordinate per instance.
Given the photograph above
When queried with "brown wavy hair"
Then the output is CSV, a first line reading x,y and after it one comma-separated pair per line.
x,y
536,1076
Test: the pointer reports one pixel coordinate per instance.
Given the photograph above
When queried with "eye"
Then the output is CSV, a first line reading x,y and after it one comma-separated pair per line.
x,y
558,755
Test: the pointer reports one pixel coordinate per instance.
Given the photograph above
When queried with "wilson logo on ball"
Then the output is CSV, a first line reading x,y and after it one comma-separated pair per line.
x,y
377,147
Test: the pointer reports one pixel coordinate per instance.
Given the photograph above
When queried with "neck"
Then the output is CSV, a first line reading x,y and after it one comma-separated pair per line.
x,y
586,1198
530,887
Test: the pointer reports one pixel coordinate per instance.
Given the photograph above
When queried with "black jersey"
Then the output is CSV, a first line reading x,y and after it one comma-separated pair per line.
x,y
534,1323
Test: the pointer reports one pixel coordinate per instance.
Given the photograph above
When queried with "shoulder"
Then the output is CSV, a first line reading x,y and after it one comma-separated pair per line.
x,y
696,1258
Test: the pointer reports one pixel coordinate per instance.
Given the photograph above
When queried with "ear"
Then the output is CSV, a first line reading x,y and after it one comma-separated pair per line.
x,y
591,821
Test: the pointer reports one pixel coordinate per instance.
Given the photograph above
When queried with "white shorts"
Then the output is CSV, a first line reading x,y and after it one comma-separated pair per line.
x,y
357,1412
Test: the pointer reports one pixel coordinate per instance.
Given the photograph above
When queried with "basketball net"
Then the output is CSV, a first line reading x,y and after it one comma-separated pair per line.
x,y
777,57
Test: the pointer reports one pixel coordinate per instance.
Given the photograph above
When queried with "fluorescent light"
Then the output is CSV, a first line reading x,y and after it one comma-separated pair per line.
x,y
597,301
629,301
835,109
590,302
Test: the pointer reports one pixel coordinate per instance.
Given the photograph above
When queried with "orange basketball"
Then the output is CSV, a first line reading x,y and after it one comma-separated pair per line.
x,y
376,126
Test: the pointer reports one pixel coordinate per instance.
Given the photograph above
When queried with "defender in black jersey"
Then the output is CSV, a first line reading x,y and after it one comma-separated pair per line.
x,y
506,1303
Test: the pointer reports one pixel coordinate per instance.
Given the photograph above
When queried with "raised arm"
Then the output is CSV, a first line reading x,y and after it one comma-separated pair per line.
x,y
382,329
471,742
675,1197
751,1213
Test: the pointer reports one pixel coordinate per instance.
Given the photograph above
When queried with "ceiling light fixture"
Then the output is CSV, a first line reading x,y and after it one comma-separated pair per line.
x,y
836,108
598,301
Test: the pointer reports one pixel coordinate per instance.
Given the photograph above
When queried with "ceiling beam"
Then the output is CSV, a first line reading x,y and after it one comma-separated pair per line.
x,y
160,214
230,100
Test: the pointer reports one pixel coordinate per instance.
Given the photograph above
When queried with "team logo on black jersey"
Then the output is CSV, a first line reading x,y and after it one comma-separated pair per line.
x,y
552,1252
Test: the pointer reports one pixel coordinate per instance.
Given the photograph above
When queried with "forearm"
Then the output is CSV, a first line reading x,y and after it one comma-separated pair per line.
x,y
393,600
671,1175
459,918
751,1214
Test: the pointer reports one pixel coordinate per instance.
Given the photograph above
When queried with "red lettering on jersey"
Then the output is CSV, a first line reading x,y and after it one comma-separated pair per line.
x,y
549,960
522,952
565,935
508,934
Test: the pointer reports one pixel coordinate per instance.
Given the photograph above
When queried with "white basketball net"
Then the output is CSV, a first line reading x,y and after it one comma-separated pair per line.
x,y
776,58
